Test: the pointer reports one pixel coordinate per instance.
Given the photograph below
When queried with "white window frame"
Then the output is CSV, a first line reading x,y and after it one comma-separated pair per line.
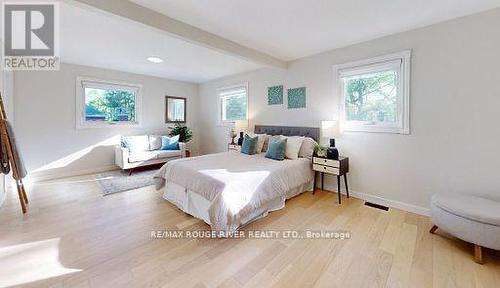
x,y
221,111
83,82
403,62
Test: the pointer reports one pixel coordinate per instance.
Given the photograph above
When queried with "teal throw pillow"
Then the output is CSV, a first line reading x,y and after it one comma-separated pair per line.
x,y
276,150
249,145
170,143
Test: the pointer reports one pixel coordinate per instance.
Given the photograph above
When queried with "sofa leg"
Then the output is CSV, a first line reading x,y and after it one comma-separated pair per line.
x,y
478,254
433,229
130,171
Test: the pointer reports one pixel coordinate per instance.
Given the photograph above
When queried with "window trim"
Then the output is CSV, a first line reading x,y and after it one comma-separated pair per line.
x,y
372,64
81,123
219,103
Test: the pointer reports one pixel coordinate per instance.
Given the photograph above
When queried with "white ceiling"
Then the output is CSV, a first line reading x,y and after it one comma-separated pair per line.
x,y
291,29
286,29
94,38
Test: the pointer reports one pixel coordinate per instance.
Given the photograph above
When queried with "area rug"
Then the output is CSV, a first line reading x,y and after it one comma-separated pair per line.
x,y
119,181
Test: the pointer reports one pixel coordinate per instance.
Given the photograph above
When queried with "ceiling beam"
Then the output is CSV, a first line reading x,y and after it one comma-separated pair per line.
x,y
146,16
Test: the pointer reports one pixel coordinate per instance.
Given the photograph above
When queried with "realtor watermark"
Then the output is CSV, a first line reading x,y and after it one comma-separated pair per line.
x,y
251,234
31,36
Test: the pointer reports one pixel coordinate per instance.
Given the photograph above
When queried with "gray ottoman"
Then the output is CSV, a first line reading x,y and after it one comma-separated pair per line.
x,y
475,219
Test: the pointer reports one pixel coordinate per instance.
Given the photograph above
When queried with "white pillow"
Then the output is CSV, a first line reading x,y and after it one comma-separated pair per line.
x,y
293,145
260,141
136,143
307,148
154,142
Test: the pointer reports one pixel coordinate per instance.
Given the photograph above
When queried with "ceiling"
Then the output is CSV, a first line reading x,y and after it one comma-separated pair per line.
x,y
285,29
93,38
291,29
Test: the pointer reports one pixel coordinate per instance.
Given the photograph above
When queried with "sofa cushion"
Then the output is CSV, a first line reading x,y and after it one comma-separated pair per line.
x,y
472,207
154,142
168,153
136,143
142,156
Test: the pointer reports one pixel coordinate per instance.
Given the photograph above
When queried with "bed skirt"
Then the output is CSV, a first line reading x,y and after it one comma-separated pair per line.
x,y
197,206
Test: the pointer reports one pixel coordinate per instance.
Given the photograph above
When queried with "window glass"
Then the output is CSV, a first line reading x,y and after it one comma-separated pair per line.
x,y
372,97
109,105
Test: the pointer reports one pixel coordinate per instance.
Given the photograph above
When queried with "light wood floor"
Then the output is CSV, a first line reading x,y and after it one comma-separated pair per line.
x,y
75,237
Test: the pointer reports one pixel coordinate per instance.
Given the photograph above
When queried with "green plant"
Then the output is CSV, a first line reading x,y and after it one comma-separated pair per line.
x,y
320,151
184,132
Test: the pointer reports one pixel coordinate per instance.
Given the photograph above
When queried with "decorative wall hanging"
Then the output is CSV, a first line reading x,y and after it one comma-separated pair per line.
x,y
175,109
297,98
275,95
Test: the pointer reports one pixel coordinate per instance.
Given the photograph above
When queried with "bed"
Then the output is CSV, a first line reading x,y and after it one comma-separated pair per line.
x,y
229,190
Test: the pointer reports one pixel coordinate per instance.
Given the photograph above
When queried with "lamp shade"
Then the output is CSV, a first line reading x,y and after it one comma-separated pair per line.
x,y
240,125
330,129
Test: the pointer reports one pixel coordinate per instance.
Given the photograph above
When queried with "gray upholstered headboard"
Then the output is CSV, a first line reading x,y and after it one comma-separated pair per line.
x,y
288,131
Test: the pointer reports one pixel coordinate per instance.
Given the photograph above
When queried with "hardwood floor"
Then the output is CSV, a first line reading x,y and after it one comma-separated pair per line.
x,y
75,237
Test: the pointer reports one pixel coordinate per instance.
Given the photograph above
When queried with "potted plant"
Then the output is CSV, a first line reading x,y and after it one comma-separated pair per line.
x,y
184,132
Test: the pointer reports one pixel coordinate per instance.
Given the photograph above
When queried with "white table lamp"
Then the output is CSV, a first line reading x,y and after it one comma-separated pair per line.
x,y
330,129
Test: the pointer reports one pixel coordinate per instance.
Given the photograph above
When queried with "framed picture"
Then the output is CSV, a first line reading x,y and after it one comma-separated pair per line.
x,y
297,98
275,95
175,109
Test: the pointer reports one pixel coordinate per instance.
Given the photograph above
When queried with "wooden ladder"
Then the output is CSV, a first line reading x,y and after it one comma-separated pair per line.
x,y
8,143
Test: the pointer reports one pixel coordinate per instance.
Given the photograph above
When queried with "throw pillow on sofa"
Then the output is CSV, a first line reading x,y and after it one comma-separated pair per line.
x,y
154,142
136,144
170,143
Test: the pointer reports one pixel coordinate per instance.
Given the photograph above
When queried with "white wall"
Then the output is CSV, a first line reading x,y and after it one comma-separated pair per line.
x,y
45,119
3,192
6,88
455,99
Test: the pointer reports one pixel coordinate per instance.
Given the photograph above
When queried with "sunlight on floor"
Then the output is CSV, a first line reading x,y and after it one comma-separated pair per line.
x,y
31,262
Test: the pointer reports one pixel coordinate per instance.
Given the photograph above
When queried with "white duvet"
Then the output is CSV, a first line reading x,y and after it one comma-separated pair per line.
x,y
236,185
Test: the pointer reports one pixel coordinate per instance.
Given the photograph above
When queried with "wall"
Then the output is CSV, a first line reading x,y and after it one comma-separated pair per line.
x,y
3,192
6,88
45,119
455,97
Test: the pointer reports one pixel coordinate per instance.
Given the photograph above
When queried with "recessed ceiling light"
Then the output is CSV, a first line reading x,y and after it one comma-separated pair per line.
x,y
155,59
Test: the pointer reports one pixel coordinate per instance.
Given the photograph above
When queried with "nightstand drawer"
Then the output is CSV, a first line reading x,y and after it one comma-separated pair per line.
x,y
327,162
326,169
231,147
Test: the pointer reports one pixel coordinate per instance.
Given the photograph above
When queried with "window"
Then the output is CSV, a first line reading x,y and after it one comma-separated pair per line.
x,y
233,103
104,103
375,94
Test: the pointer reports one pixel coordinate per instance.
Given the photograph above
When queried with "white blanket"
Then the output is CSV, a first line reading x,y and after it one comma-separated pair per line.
x,y
236,184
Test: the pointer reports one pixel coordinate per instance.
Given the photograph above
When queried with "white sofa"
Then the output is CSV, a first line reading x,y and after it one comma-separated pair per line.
x,y
146,152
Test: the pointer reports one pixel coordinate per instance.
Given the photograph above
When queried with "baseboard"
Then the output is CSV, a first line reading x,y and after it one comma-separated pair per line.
x,y
51,174
3,195
389,203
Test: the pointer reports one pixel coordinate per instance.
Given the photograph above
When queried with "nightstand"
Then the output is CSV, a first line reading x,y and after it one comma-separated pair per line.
x,y
333,167
233,147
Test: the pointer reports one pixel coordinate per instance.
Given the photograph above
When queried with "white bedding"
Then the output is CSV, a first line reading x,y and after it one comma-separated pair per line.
x,y
237,186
